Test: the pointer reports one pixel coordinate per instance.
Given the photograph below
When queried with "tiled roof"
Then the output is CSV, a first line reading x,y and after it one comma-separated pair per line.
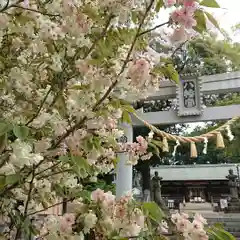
x,y
194,172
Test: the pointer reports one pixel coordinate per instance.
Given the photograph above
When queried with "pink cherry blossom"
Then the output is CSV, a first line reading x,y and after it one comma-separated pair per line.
x,y
120,211
178,15
143,143
202,235
179,35
109,197
200,218
184,215
66,222
98,195
139,72
170,3
190,22
183,225
82,66
111,123
83,23
175,217
136,150
197,225
140,221
184,16
134,229
163,227
26,3
190,3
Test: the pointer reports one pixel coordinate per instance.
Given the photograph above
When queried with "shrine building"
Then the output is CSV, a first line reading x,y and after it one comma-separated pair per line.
x,y
207,182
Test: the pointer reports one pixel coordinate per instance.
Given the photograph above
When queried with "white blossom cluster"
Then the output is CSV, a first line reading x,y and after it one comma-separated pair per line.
x,y
67,68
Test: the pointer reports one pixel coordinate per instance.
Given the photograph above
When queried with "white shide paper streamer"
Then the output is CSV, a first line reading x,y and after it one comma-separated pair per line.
x,y
175,148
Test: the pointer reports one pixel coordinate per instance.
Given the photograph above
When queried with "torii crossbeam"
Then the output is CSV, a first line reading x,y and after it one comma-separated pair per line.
x,y
190,111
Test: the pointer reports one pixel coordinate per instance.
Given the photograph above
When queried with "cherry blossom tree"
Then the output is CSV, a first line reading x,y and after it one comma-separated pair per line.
x,y
69,70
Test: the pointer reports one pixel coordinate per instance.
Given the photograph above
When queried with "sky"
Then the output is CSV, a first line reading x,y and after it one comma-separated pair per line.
x,y
228,15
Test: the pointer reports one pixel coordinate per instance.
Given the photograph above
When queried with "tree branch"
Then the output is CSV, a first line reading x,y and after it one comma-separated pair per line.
x,y
8,188
127,57
29,192
152,29
52,174
179,47
36,11
54,205
40,107
138,33
49,168
18,233
79,124
104,32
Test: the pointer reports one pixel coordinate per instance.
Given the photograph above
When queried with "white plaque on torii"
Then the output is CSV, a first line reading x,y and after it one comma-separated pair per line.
x,y
189,96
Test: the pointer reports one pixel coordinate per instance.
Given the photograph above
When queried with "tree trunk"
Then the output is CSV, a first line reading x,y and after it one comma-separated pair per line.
x,y
144,169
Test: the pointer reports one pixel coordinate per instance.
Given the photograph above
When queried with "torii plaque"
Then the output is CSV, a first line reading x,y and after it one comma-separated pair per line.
x,y
189,96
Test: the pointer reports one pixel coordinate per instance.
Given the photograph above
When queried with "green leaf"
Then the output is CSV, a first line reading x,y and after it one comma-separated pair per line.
x,y
120,238
13,178
160,3
170,72
97,143
4,128
153,211
80,162
34,230
2,181
59,190
218,225
26,227
115,161
86,195
129,108
91,12
63,159
201,21
126,117
135,15
210,3
161,238
116,103
3,141
212,20
61,104
88,144
123,102
214,235
53,236
220,233
21,132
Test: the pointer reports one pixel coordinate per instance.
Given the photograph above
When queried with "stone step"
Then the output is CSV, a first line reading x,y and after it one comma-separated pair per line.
x,y
197,207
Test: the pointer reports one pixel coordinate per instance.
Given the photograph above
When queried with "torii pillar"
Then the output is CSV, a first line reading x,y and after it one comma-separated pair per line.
x,y
124,170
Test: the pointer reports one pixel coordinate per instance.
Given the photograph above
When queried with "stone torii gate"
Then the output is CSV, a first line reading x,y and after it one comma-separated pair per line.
x,y
190,109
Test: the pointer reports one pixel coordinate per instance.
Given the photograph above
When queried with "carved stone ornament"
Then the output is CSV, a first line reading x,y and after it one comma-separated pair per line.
x,y
189,96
